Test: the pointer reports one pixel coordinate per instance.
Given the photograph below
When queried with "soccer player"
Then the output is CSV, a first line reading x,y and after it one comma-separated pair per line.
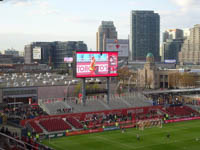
x,y
168,135
123,129
138,137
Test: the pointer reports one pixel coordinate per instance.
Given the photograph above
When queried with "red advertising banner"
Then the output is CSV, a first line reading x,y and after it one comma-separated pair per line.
x,y
84,131
96,64
129,126
182,119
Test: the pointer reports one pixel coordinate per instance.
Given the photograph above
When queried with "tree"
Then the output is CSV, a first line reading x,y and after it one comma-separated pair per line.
x,y
89,87
187,79
174,79
182,79
124,74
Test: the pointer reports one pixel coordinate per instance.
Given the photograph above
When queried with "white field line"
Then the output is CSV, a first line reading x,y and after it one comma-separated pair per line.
x,y
175,141
139,147
56,145
112,141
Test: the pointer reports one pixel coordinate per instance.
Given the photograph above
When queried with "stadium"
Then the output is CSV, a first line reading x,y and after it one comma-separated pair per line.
x,y
51,117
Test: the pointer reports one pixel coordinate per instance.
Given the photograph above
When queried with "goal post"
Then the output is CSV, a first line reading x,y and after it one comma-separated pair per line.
x,y
141,124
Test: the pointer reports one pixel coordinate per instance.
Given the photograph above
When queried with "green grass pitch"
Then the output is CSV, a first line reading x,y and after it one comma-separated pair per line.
x,y
183,136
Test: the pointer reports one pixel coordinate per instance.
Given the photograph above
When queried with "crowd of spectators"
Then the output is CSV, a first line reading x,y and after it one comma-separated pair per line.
x,y
99,119
23,111
65,110
150,115
12,141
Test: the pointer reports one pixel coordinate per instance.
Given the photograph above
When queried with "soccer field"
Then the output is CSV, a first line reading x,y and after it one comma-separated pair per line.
x,y
183,136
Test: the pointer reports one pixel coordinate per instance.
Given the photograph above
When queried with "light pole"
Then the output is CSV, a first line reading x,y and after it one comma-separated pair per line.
x,y
68,88
129,82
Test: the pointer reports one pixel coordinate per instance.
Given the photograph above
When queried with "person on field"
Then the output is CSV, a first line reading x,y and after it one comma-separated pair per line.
x,y
138,137
168,135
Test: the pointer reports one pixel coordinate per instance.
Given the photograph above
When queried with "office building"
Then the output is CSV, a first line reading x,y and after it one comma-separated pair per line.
x,y
66,49
173,34
52,53
12,52
144,35
190,51
172,43
171,48
186,32
106,31
39,52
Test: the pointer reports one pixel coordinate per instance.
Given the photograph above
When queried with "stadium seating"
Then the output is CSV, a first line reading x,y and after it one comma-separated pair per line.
x,y
95,119
57,107
127,100
35,127
179,111
54,124
74,122
191,110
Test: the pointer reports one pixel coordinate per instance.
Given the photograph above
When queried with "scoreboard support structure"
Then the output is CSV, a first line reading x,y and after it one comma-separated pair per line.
x,y
108,90
84,91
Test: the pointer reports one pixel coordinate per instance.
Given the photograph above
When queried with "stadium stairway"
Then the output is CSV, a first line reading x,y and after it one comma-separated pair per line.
x,y
44,130
73,128
75,124
104,103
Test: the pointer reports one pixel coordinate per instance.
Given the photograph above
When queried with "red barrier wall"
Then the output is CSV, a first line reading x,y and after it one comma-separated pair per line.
x,y
82,116
182,119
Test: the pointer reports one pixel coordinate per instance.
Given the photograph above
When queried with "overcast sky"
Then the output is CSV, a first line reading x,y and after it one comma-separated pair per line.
x,y
26,21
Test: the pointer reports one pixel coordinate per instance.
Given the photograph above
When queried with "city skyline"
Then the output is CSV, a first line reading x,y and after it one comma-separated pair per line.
x,y
25,21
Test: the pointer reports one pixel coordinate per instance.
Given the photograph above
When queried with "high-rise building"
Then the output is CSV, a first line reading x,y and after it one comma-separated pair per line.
x,y
66,49
52,53
190,51
40,52
171,48
144,35
106,31
186,32
172,43
12,52
172,34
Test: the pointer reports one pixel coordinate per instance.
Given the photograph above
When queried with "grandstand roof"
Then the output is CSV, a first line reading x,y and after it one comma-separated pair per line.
x,y
171,91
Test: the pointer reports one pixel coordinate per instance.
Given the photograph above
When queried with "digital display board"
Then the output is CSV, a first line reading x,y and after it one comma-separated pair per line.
x,y
170,61
68,59
37,53
96,64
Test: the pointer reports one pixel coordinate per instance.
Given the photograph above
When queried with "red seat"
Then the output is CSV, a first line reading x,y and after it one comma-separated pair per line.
x,y
55,124
74,122
35,127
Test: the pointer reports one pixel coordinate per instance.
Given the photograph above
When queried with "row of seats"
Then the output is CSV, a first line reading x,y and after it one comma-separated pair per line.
x,y
116,102
191,110
74,122
35,127
55,125
178,111
59,124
